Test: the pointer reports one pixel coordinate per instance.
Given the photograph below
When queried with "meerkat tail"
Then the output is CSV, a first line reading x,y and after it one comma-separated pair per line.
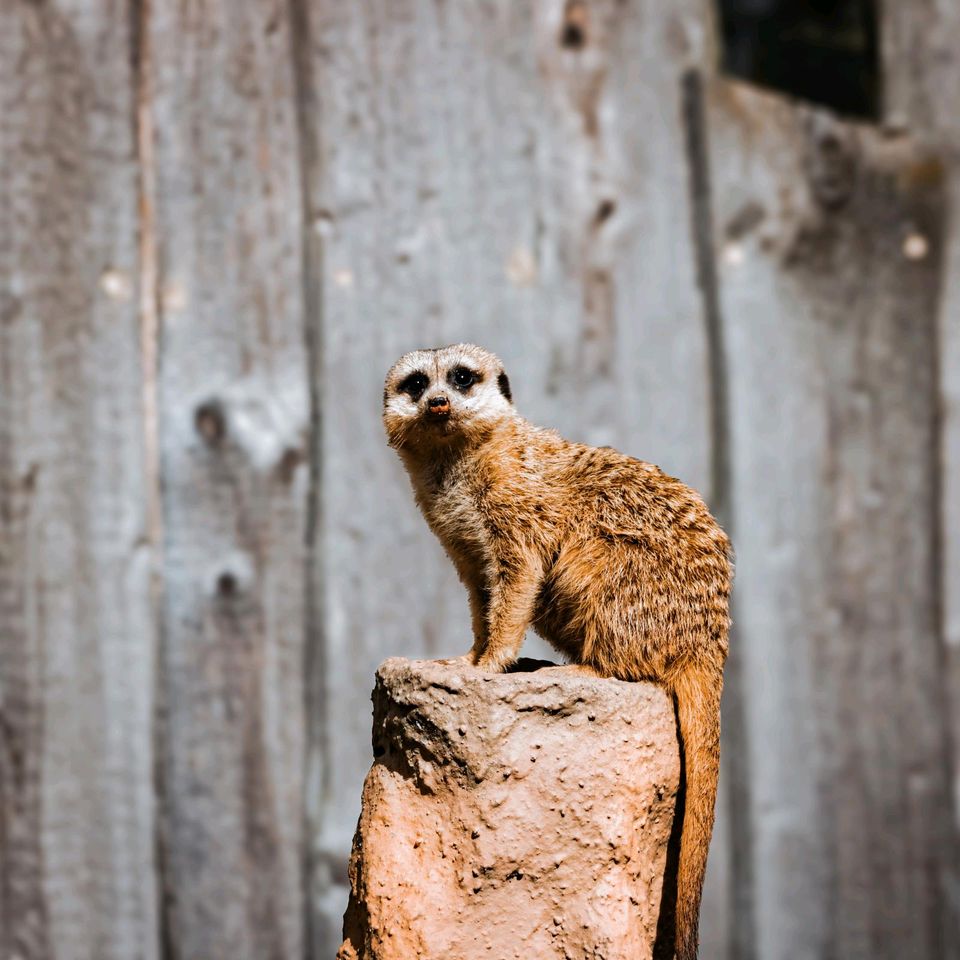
x,y
697,695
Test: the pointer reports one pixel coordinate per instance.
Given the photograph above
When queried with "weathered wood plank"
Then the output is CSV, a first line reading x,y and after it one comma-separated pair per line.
x,y
234,415
507,173
921,76
77,640
830,318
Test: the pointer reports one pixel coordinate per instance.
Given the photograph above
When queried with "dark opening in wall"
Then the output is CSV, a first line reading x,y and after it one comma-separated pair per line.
x,y
819,50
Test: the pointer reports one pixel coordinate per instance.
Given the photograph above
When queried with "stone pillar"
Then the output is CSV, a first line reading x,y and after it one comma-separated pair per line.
x,y
524,815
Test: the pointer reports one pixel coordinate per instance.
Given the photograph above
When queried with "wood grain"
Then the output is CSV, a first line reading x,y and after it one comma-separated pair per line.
x,y
219,224
234,409
77,637
512,175
920,66
831,331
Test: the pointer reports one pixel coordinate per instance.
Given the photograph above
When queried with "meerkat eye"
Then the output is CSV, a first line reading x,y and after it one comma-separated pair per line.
x,y
463,378
414,384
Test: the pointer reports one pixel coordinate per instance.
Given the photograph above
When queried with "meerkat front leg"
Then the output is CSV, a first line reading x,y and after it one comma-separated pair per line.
x,y
514,584
479,598
471,573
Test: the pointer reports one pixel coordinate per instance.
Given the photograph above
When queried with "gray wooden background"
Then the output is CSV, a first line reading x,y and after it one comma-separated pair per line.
x,y
220,222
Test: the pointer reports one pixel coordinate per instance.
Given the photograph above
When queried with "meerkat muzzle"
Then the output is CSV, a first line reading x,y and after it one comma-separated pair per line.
x,y
438,408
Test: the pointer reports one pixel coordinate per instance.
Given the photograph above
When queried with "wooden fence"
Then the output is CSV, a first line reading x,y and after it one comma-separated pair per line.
x,y
220,222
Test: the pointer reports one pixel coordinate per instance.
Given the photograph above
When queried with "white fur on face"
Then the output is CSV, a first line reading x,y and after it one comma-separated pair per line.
x,y
481,406
396,402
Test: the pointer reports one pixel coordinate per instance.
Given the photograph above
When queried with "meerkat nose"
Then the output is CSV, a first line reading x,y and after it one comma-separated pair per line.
x,y
438,406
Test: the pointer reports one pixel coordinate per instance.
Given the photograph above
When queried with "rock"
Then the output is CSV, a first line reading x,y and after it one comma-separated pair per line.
x,y
519,815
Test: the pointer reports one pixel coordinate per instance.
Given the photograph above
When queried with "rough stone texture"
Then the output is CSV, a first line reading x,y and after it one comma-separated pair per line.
x,y
519,815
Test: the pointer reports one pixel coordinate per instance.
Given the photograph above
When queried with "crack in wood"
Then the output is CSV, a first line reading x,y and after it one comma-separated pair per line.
x,y
139,13
317,870
737,782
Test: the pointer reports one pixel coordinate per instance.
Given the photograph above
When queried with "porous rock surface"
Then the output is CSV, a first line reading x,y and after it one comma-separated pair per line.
x,y
524,815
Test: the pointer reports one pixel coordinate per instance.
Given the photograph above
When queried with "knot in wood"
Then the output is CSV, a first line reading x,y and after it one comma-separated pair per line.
x,y
573,35
210,422
831,161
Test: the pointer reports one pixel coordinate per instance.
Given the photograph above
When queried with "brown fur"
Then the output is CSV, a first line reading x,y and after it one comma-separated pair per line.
x,y
617,565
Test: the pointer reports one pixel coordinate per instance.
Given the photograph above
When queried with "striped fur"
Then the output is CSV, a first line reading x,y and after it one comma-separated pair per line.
x,y
617,565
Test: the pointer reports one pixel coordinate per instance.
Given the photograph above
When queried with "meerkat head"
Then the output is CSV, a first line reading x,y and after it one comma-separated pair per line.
x,y
432,398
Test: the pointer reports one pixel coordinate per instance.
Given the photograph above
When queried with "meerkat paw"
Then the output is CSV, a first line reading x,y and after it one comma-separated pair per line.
x,y
494,662
464,660
583,668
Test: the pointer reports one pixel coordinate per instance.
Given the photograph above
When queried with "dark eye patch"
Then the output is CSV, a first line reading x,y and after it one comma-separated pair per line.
x,y
414,384
463,378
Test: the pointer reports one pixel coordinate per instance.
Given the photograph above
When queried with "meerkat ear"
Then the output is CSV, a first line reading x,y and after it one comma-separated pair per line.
x,y
503,382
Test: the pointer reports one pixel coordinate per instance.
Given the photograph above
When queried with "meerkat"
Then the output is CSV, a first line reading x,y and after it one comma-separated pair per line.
x,y
618,566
